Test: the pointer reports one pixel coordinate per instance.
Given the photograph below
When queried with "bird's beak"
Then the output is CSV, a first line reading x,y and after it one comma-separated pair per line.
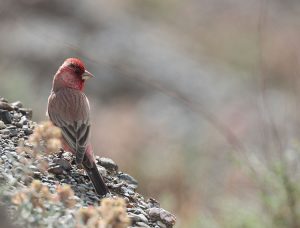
x,y
86,75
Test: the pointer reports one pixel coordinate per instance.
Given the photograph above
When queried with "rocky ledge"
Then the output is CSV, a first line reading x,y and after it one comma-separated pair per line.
x,y
48,189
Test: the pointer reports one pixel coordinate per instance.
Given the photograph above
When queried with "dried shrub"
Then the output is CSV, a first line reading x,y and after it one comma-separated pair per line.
x,y
110,214
37,202
46,138
65,195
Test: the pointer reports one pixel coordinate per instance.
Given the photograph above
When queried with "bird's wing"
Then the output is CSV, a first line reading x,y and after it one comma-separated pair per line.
x,y
68,109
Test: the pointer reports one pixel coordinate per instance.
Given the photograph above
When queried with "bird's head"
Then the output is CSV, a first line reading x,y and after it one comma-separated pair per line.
x,y
71,74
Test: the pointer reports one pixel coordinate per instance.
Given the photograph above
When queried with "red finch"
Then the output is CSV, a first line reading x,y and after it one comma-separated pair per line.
x,y
69,109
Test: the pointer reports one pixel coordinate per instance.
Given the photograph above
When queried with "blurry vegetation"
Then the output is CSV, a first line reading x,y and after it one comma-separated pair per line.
x,y
236,62
111,213
45,140
37,206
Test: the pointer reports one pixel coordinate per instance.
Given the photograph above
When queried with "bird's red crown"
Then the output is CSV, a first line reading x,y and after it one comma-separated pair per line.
x,y
75,63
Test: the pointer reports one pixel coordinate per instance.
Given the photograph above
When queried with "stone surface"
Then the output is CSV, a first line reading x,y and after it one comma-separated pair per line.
x,y
2,125
17,104
19,167
129,179
5,106
109,164
162,215
64,164
27,112
5,116
57,170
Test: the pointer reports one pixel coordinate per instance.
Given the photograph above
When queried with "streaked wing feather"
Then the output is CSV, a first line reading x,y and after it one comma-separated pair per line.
x,y
73,119
69,137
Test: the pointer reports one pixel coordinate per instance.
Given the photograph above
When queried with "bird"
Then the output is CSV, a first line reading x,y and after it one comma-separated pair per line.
x,y
69,109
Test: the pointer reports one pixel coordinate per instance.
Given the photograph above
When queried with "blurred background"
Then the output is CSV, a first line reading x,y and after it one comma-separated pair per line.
x,y
197,99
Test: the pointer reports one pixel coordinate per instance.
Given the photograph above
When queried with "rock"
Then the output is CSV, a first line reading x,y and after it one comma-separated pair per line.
x,y
153,203
137,210
57,170
28,131
143,218
17,104
14,154
116,186
2,125
102,170
160,214
5,132
63,163
23,120
109,164
161,225
67,156
137,218
18,168
81,188
37,175
127,191
3,100
33,168
129,179
142,225
167,218
154,213
5,106
18,125
11,126
27,112
13,132
67,219
5,116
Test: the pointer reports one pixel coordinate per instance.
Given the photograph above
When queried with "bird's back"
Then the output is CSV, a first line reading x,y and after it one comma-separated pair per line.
x,y
69,105
68,109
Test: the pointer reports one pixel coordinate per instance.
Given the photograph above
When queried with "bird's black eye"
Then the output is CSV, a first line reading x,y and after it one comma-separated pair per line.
x,y
74,67
78,71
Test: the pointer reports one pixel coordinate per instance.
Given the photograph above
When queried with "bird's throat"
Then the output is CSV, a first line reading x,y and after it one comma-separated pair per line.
x,y
66,79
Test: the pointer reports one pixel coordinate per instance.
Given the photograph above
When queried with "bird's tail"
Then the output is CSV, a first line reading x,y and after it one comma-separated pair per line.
x,y
96,179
